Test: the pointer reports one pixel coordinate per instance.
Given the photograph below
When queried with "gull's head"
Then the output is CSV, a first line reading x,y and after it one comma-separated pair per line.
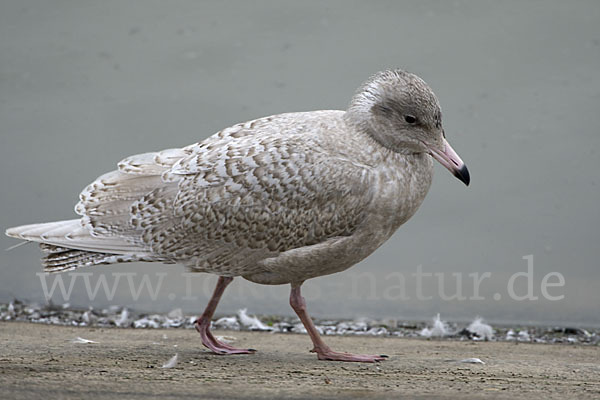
x,y
401,112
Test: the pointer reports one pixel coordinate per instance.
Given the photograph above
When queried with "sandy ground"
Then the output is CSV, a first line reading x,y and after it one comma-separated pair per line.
x,y
40,361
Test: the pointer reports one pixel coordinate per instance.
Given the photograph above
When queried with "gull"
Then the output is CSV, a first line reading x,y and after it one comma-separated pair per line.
x,y
277,200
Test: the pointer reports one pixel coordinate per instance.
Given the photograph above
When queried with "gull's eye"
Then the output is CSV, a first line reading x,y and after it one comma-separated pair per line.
x,y
410,119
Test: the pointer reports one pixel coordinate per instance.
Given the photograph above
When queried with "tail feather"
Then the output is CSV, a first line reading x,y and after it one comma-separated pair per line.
x,y
105,234
61,259
68,245
71,234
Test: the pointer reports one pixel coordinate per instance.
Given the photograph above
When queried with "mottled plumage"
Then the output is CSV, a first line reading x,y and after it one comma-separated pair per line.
x,y
280,199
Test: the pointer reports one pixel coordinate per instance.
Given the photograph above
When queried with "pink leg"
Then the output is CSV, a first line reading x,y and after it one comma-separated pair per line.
x,y
323,351
203,323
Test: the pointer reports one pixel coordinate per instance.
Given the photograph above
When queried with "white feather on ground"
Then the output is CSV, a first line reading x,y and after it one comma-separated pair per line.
x,y
439,328
82,340
524,336
123,320
472,361
252,322
172,362
227,323
226,339
482,330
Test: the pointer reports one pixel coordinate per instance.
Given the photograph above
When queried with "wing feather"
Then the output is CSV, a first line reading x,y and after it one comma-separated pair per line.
x,y
249,192
242,199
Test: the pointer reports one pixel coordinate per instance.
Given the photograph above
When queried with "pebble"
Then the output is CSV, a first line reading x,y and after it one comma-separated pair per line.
x,y
116,316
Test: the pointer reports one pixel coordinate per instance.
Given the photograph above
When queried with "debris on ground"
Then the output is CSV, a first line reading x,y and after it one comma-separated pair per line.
x,y
121,317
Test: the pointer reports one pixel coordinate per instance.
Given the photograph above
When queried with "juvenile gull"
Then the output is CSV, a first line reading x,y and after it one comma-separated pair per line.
x,y
277,200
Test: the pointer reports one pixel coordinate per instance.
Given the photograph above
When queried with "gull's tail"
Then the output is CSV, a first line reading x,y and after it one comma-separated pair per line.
x,y
68,245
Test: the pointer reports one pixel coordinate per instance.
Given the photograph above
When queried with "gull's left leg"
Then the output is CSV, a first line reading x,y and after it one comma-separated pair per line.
x,y
323,351
203,323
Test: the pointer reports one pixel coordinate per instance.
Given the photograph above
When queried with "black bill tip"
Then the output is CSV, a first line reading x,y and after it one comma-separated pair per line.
x,y
463,175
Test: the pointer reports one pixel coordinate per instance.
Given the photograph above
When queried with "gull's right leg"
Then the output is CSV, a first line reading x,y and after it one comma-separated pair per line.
x,y
323,351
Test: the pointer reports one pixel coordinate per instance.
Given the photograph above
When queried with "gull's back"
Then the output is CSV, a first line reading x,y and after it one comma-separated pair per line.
x,y
250,192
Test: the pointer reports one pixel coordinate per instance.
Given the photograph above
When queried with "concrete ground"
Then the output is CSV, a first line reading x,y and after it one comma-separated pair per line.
x,y
40,362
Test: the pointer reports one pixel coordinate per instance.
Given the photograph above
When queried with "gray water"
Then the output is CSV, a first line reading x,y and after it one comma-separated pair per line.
x,y
84,84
